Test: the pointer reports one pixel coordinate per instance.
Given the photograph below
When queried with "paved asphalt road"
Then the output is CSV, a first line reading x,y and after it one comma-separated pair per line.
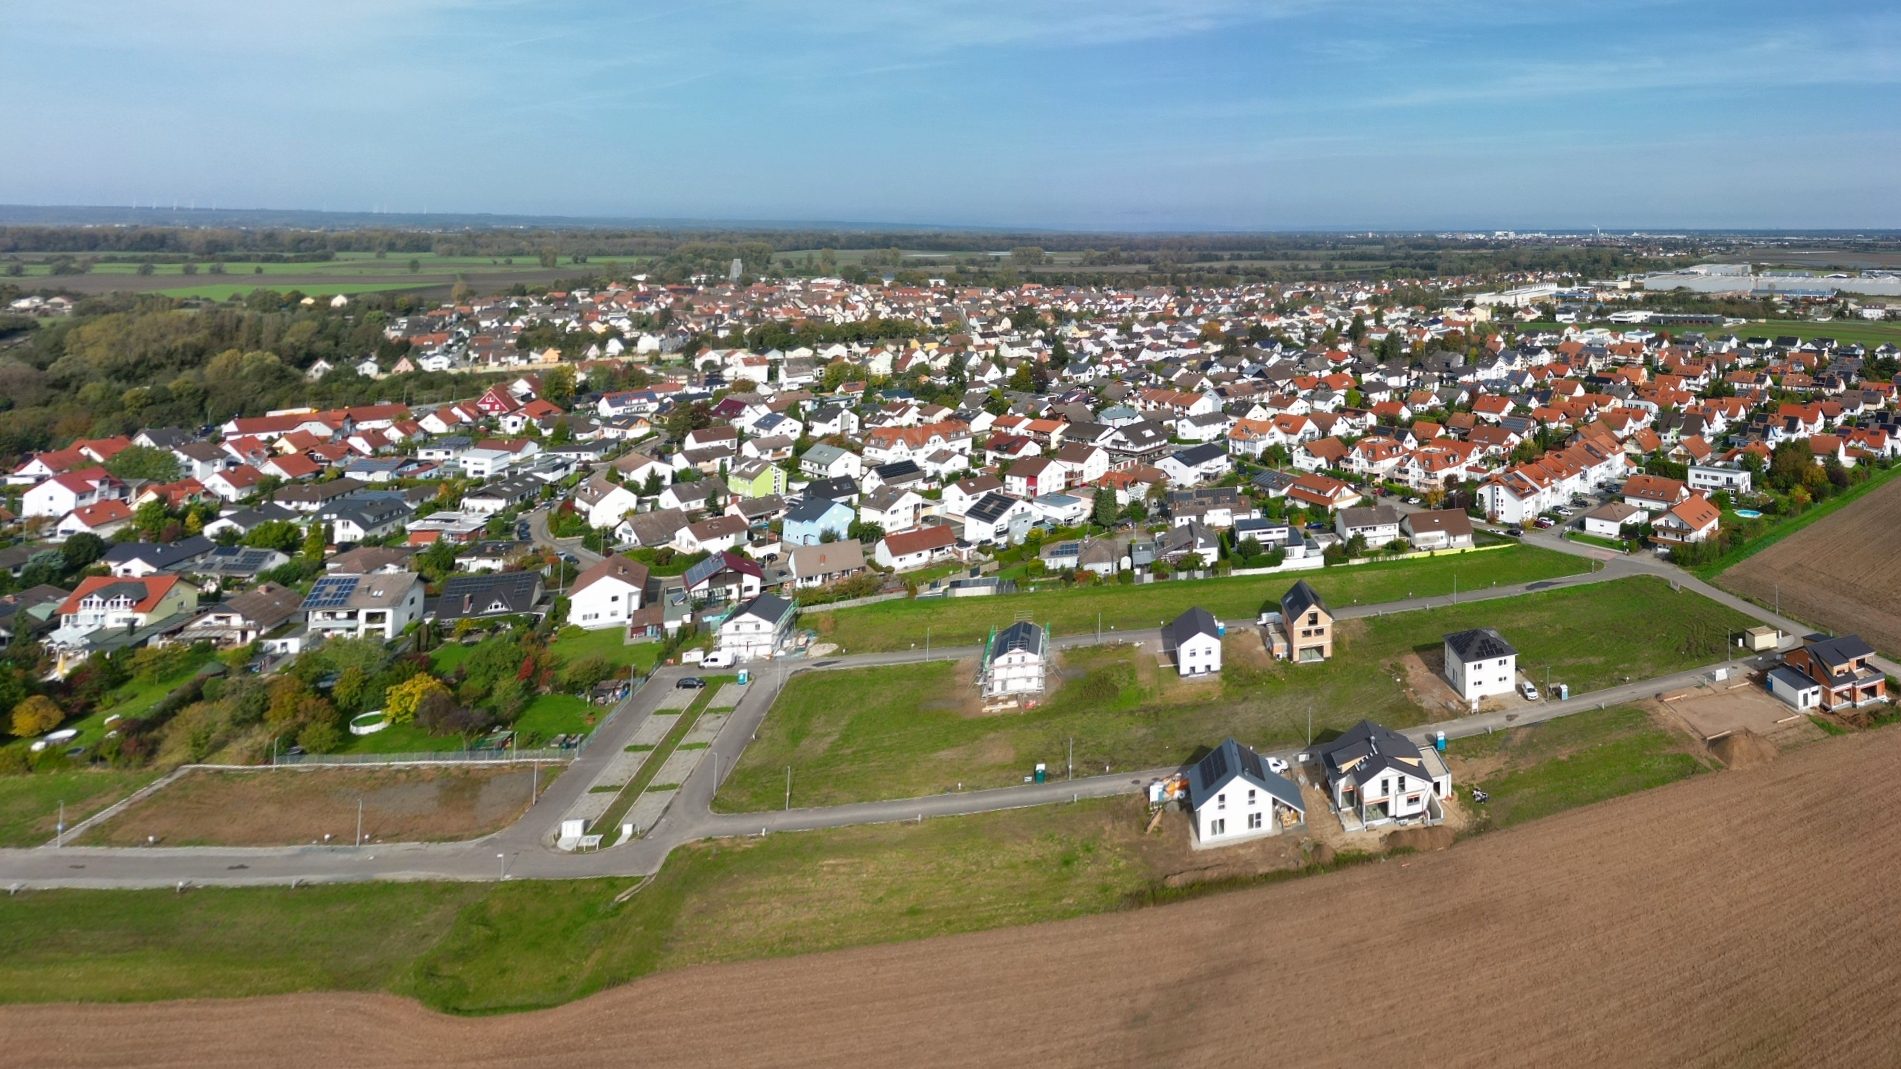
x,y
525,849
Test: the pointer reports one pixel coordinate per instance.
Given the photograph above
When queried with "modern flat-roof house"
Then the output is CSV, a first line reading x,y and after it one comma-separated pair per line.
x,y
1303,632
1375,775
378,605
1842,668
1233,796
758,629
1015,661
1193,642
1480,663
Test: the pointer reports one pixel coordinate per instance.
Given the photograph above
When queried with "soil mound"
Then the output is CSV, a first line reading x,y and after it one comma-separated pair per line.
x,y
1420,839
1743,749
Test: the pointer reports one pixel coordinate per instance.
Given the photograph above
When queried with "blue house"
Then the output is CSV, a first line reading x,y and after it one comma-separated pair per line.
x,y
807,521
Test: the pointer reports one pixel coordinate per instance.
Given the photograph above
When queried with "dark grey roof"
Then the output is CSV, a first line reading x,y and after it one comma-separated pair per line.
x,y
838,489
1836,652
1196,621
491,594
159,555
766,607
1201,454
1299,598
1479,644
1375,748
811,510
1231,760
1021,636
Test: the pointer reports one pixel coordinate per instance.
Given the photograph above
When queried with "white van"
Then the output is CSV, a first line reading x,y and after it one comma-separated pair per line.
x,y
717,659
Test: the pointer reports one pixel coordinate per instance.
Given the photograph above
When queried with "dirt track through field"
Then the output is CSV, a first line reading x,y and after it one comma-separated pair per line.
x,y
1739,918
1842,572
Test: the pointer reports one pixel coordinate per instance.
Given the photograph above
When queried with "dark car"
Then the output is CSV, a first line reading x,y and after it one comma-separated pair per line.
x,y
1515,532
691,683
522,533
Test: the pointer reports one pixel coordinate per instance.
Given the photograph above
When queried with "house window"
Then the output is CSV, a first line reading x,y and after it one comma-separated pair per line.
x,y
1217,826
1251,793
1254,821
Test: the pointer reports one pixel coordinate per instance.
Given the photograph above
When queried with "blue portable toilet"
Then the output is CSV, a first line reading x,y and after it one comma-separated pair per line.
x,y
744,677
1439,741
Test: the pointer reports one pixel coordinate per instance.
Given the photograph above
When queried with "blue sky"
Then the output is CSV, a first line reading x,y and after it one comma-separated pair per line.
x,y
1083,114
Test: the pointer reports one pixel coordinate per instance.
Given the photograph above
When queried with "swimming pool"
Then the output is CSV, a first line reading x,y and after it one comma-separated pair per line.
x,y
1749,514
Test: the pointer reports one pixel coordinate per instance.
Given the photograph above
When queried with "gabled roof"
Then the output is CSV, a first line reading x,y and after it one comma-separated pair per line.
x,y
1231,761
1195,622
1021,636
765,607
1299,598
631,572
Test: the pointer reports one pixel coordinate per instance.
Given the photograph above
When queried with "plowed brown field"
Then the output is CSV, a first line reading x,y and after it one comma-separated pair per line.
x,y
1742,918
1842,572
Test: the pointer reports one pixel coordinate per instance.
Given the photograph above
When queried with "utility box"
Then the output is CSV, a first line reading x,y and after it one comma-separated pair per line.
x,y
1761,639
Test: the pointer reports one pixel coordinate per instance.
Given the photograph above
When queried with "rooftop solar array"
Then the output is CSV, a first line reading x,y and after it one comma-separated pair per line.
x,y
332,592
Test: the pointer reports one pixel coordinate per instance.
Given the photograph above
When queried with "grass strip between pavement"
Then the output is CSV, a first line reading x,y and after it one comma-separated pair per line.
x,y
658,757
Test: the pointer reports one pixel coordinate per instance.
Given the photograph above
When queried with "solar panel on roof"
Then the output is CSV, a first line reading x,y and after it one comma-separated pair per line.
x,y
330,592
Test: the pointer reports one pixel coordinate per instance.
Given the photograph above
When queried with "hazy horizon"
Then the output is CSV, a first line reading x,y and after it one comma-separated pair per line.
x,y
1075,115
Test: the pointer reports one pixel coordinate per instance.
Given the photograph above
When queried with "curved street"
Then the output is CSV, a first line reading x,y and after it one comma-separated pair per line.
x,y
525,850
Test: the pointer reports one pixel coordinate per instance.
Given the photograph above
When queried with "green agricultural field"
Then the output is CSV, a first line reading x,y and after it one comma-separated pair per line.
x,y
897,625
910,730
29,803
462,947
1536,771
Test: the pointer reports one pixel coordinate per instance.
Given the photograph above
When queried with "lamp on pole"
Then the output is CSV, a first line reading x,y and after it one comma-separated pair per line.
x,y
503,858
359,822
788,788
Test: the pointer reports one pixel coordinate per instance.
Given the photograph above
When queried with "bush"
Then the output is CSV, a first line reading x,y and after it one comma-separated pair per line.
x,y
585,673
36,715
320,737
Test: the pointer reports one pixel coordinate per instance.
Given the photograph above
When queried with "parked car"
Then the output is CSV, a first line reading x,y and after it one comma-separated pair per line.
x,y
691,683
1412,501
1514,532
1529,690
1277,765
717,659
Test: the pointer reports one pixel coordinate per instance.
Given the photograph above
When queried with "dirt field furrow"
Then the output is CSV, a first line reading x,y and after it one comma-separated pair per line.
x,y
1843,572
1739,918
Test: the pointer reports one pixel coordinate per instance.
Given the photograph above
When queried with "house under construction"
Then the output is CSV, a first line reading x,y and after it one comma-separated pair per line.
x,y
1015,661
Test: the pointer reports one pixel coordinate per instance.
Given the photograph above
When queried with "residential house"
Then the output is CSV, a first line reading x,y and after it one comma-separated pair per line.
x,y
1436,529
918,547
825,563
1480,663
1302,632
1193,641
477,597
245,618
1375,775
1841,671
724,578
607,593
809,522
1015,661
379,605
1378,525
758,629
1234,797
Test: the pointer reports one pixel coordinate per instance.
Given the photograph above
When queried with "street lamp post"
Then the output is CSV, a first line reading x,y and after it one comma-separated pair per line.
x,y
359,822
503,858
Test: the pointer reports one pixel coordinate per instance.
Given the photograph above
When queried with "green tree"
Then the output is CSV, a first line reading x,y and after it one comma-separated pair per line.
x,y
81,550
1105,511
415,266
557,386
315,540
146,463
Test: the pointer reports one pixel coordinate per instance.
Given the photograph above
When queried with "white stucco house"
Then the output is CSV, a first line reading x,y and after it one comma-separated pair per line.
x,y
1480,663
1233,797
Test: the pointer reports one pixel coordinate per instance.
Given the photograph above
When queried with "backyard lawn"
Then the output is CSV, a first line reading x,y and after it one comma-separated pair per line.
x,y
896,625
909,730
575,644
